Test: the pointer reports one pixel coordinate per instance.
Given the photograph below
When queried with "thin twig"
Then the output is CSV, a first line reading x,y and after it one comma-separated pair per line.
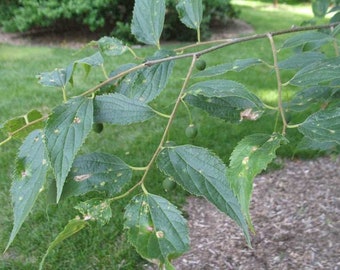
x,y
279,83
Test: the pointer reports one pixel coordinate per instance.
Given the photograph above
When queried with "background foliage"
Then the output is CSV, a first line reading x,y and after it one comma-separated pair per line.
x,y
105,16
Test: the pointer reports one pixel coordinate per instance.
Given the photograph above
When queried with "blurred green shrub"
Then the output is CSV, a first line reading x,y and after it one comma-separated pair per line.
x,y
104,16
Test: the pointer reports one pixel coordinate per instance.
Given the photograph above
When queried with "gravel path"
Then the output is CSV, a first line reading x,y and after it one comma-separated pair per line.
x,y
295,212
296,215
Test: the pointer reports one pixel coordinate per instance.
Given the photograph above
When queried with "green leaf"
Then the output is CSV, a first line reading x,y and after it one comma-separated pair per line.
x,y
202,173
91,61
320,7
95,59
56,78
145,85
72,227
309,144
111,46
66,131
335,19
148,20
156,229
97,172
119,109
19,127
317,73
96,210
190,12
225,99
323,126
301,60
238,65
309,97
316,38
250,157
28,179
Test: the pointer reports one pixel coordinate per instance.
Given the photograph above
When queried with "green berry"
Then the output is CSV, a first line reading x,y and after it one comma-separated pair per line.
x,y
191,131
98,127
200,64
169,184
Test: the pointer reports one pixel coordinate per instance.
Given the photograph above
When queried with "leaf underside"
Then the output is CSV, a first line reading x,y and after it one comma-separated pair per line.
x,y
28,178
323,126
97,172
225,99
202,173
65,132
250,157
148,20
120,110
156,228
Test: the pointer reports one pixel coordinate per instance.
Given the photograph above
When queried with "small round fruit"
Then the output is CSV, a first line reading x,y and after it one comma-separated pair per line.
x,y
98,127
200,64
168,184
191,131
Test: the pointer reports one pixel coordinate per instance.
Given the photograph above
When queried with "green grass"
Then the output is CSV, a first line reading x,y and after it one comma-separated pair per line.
x,y
106,247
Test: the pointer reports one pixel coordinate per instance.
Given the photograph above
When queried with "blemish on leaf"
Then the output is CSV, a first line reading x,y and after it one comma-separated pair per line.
x,y
149,228
160,234
248,114
76,120
82,177
245,160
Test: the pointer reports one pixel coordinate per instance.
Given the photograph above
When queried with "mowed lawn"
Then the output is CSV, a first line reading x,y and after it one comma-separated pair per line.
x,y
106,247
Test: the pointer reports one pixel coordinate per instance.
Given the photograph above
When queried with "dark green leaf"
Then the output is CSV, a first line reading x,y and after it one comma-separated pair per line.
x,y
323,126
308,97
95,59
190,12
65,132
119,109
111,46
335,19
95,209
202,173
28,178
336,30
156,228
238,65
317,73
145,85
301,60
225,99
317,38
72,227
97,172
308,144
320,7
250,157
91,61
148,20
